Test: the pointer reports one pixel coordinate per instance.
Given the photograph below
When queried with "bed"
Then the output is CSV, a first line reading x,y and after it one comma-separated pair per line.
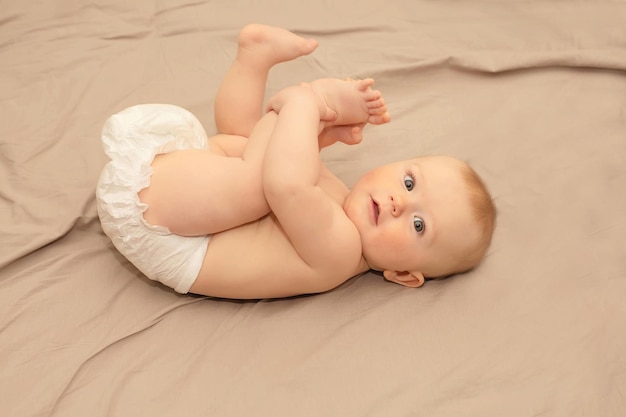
x,y
531,93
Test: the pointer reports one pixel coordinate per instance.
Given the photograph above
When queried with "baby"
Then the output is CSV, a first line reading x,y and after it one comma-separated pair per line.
x,y
254,213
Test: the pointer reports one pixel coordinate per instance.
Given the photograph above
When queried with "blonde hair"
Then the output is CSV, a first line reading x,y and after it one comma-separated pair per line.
x,y
484,212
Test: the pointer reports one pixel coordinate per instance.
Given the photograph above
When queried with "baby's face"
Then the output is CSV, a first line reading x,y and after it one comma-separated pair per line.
x,y
413,215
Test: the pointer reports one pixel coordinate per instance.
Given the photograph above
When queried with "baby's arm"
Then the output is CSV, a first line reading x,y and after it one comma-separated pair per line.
x,y
291,172
315,223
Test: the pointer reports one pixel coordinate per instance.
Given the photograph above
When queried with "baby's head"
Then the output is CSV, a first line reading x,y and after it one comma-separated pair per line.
x,y
427,217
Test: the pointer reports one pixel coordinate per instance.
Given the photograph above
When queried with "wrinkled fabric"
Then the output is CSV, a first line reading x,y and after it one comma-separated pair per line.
x,y
531,93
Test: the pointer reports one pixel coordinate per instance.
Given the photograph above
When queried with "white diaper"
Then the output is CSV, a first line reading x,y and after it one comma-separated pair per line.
x,y
132,138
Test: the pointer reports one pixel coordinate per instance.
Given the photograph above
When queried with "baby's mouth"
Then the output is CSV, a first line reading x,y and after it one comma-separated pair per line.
x,y
375,211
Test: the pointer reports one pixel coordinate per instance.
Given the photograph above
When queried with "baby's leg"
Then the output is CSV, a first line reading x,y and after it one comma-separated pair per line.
x,y
197,192
354,101
340,102
200,192
239,100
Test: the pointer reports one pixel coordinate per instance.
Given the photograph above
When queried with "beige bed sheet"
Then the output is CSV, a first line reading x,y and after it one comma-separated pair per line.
x,y
533,94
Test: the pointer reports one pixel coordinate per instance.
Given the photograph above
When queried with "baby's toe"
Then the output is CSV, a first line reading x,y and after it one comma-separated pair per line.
x,y
379,119
376,103
377,110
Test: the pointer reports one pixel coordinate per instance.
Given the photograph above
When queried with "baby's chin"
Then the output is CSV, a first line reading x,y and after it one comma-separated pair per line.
x,y
370,258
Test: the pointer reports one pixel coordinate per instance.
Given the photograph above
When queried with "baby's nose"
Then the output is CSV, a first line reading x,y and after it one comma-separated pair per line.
x,y
397,205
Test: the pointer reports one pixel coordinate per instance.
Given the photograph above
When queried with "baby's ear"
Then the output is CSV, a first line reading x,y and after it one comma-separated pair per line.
x,y
408,279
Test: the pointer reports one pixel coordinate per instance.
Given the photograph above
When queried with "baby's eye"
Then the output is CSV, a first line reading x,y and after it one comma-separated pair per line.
x,y
409,182
418,224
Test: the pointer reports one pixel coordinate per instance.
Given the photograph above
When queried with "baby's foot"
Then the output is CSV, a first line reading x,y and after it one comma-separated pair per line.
x,y
267,45
348,134
354,101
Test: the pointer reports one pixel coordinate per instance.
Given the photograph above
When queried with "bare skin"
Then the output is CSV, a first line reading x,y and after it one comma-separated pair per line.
x,y
257,248
281,223
239,100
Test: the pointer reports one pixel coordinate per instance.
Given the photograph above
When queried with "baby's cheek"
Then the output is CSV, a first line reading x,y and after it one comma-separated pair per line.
x,y
398,243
